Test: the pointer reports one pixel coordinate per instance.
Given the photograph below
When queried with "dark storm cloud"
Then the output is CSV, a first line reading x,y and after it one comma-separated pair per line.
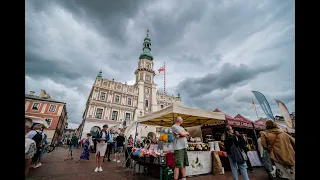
x,y
229,75
216,52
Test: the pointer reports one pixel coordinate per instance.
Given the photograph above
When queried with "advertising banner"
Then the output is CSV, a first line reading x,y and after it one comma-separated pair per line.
x,y
200,162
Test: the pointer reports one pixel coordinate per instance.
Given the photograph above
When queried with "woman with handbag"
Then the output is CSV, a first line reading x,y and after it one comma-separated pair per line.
x,y
235,154
280,147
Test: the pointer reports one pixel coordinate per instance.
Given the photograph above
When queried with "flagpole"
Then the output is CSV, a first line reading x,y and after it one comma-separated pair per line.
x,y
256,112
164,84
254,128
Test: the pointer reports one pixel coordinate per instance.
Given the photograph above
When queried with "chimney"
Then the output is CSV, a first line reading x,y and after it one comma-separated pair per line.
x,y
31,93
42,93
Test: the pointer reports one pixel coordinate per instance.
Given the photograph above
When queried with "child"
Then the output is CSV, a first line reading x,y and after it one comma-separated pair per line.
x,y
85,154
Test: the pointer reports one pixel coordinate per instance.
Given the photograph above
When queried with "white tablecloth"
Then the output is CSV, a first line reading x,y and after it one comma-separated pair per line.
x,y
254,158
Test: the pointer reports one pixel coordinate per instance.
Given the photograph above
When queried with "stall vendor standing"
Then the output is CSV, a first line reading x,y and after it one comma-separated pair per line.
x,y
180,145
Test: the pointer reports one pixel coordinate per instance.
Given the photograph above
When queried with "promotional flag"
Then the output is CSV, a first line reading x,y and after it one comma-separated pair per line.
x,y
285,113
264,104
161,69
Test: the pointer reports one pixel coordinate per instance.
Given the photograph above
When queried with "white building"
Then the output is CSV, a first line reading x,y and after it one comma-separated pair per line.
x,y
111,102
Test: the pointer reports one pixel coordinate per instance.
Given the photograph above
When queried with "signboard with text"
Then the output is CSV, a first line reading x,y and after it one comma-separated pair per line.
x,y
200,162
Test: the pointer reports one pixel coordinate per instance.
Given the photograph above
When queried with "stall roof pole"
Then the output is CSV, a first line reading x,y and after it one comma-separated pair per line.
x,y
135,136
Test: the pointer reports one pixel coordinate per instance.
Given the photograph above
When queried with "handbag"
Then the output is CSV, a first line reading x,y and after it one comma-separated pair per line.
x,y
236,154
245,157
266,157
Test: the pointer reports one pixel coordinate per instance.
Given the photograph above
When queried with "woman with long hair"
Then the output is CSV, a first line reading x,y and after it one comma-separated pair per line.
x,y
229,139
280,146
102,139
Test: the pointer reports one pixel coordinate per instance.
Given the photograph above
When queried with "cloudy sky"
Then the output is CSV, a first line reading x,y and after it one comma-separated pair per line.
x,y
216,51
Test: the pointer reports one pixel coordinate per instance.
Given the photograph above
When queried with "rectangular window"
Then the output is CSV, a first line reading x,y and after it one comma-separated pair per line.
x,y
49,121
127,116
102,96
147,103
117,99
114,115
52,108
161,106
129,102
35,106
99,113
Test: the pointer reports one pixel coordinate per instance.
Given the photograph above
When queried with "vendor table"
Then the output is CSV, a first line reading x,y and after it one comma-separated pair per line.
x,y
200,162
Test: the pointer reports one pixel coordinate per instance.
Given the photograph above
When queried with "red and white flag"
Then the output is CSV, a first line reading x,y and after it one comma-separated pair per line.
x,y
161,69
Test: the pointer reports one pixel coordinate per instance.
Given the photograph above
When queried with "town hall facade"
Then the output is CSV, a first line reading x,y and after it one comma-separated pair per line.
x,y
112,102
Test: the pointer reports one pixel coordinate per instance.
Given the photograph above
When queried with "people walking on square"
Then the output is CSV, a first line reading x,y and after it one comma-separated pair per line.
x,y
102,139
180,145
280,146
110,145
73,144
43,148
119,147
231,140
85,153
30,146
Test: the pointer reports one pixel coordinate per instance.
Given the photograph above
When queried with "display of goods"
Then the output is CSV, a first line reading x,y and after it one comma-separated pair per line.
x,y
170,138
198,147
166,131
164,138
195,139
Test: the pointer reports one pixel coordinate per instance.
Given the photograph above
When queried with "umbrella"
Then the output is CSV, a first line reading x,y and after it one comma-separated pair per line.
x,y
38,120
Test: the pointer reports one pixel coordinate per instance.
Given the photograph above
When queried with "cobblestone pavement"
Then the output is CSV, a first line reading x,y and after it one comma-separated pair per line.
x,y
54,167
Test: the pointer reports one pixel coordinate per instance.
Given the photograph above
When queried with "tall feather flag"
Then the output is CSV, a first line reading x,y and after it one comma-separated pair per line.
x,y
285,113
264,104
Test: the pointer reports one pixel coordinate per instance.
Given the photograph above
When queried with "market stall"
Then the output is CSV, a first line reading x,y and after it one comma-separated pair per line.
x,y
245,127
198,151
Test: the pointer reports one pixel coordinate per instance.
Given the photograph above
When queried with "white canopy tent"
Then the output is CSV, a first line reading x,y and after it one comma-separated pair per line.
x,y
191,116
39,120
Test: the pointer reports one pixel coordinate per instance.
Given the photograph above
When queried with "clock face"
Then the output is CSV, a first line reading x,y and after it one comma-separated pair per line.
x,y
147,95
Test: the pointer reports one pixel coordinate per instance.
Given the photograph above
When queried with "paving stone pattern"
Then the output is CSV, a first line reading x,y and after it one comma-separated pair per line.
x,y
54,167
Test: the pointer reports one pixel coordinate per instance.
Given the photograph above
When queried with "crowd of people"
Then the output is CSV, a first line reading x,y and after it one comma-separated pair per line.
x,y
35,143
276,149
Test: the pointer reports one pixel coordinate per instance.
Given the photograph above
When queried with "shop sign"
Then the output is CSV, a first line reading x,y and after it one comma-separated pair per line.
x,y
240,124
200,162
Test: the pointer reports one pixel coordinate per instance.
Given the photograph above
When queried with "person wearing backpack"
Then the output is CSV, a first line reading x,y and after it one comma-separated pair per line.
x,y
37,136
234,153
